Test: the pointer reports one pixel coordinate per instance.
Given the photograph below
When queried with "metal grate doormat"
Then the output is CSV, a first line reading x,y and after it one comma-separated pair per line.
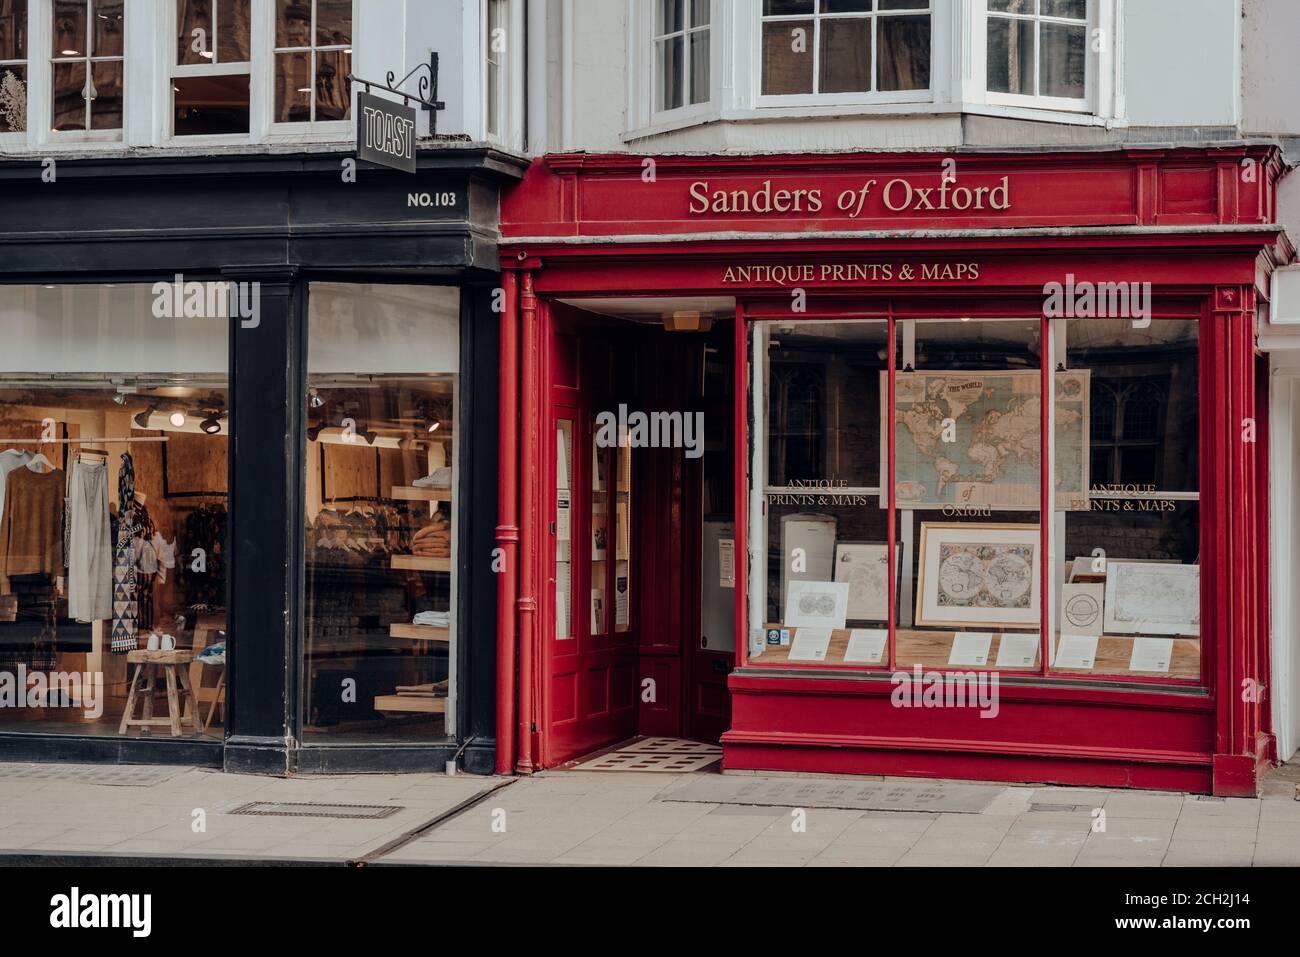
x,y
361,812
673,755
117,775
847,795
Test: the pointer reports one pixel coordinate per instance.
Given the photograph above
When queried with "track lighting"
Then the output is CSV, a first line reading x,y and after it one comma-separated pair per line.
x,y
141,419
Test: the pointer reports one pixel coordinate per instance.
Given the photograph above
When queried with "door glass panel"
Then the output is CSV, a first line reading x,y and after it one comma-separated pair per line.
x,y
563,528
601,529
623,539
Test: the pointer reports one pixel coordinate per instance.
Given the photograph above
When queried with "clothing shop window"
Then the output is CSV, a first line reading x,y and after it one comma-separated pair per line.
x,y
1038,49
681,53
313,58
86,64
113,495
210,78
13,66
825,47
1119,551
382,432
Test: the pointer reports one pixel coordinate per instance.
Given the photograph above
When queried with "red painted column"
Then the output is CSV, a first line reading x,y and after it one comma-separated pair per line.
x,y
1241,747
507,532
530,537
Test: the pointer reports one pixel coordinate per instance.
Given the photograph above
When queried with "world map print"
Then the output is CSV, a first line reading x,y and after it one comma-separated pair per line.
x,y
988,455
985,576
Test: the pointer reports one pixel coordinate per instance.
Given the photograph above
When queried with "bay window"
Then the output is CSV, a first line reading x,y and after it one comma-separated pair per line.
x,y
86,63
1037,48
681,53
313,57
212,71
13,66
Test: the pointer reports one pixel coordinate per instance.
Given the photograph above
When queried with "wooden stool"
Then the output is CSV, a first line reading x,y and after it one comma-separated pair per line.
x,y
174,666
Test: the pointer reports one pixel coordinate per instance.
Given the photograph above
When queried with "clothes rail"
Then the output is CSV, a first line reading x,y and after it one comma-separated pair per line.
x,y
142,438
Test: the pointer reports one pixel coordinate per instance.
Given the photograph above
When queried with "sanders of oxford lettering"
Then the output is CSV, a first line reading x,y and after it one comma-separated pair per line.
x,y
897,195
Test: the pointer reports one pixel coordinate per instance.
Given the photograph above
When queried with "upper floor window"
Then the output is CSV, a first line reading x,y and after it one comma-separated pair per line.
x,y
313,57
845,46
681,53
86,64
210,81
1038,48
13,66
496,44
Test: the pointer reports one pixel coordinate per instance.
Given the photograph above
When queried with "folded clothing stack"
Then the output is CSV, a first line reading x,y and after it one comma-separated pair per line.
x,y
435,619
434,540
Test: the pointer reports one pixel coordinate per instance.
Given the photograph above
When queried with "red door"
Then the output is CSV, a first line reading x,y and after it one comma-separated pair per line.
x,y
590,695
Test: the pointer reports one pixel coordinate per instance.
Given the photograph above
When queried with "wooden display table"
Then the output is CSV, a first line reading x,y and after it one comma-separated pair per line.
x,y
174,666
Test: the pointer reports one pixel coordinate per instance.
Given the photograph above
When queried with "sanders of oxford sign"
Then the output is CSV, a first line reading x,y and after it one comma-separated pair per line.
x,y
896,195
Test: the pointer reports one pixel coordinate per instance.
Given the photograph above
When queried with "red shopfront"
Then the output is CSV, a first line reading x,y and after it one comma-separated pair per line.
x,y
762,558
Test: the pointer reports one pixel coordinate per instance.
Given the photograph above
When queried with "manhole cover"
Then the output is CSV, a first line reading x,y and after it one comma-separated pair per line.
x,y
849,795
368,812
117,775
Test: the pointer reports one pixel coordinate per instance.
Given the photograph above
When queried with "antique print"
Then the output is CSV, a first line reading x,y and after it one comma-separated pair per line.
x,y
1149,598
865,567
816,604
978,574
1081,606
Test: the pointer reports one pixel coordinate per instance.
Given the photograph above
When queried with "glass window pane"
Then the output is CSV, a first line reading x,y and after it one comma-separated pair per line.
x,y
13,30
602,531
1012,6
700,13
332,99
194,38
381,511
95,598
293,88
782,8
13,99
1064,63
700,66
670,73
787,57
69,37
622,538
904,53
109,21
845,62
210,104
903,4
670,16
1011,56
333,23
234,26
70,96
1074,9
292,23
106,97
564,485
847,6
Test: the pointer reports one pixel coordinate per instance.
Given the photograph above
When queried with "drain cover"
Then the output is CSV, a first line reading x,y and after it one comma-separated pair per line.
x,y
850,795
1057,807
365,812
120,775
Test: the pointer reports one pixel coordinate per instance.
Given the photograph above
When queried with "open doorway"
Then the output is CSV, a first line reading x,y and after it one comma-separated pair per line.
x,y
638,494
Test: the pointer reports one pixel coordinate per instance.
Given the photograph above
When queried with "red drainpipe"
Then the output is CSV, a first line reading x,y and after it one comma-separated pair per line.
x,y
529,468
508,522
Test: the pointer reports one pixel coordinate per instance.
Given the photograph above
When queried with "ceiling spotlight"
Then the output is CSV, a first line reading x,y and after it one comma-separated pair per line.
x,y
433,426
211,425
315,399
120,398
141,419
177,419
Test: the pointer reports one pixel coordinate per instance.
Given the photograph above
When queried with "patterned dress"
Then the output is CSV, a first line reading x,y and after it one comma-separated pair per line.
x,y
125,611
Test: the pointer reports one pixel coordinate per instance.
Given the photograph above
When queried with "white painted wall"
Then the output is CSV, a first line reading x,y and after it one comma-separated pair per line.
x,y
1181,60
1270,85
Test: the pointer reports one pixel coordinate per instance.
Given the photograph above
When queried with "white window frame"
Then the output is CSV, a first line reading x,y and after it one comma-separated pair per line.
x,y
258,99
858,98
89,59
1085,104
510,92
326,129
687,108
20,137
642,75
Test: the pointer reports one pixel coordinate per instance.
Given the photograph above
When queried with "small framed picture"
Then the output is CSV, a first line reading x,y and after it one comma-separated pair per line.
x,y
978,574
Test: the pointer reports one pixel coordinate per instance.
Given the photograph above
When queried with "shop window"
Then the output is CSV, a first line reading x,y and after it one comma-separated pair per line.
x,y
1111,562
313,58
210,78
1038,49
113,497
86,64
381,515
824,47
13,66
681,53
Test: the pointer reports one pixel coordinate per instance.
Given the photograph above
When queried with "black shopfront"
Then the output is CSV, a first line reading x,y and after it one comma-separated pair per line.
x,y
248,444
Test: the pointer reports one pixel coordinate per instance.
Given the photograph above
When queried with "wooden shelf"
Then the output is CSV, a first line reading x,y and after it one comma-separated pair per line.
x,y
400,629
411,493
413,703
423,563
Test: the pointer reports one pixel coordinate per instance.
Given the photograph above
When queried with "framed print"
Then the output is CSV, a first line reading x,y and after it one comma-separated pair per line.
x,y
978,574
865,568
1081,605
814,604
1152,598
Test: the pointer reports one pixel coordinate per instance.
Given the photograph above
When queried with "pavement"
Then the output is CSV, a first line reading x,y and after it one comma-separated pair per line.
x,y
80,814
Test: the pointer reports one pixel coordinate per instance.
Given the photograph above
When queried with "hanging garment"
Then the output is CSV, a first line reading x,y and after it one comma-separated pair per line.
x,y
10,460
90,560
31,530
125,610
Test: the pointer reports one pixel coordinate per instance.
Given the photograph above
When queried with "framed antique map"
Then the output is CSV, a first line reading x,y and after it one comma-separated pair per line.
x,y
865,566
1150,598
972,439
978,574
812,604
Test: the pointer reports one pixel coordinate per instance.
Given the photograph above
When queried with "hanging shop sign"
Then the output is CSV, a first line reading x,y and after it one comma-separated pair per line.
x,y
385,133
